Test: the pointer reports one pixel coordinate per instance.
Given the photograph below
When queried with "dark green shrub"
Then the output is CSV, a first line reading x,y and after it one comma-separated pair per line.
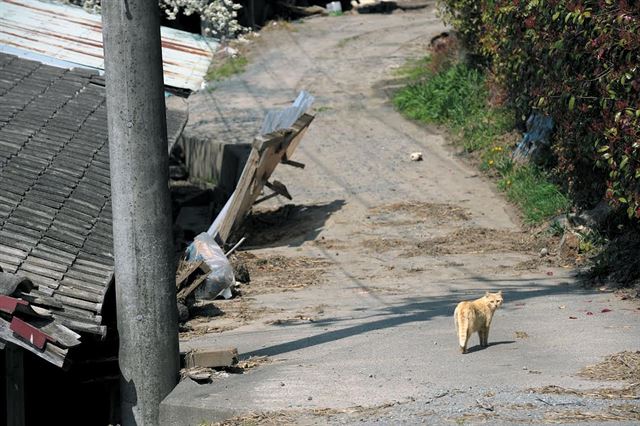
x,y
578,61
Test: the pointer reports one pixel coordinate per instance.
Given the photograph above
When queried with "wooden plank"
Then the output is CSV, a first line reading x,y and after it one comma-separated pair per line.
x,y
185,270
185,292
294,164
237,202
266,153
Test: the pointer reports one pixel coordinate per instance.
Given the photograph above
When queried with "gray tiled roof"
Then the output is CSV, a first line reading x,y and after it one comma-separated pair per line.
x,y
55,207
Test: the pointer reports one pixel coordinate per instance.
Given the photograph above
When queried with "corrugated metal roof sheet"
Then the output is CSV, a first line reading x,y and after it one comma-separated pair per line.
x,y
73,36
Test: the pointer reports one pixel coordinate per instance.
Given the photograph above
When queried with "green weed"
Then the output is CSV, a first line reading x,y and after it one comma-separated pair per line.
x,y
457,98
415,69
229,66
448,97
530,189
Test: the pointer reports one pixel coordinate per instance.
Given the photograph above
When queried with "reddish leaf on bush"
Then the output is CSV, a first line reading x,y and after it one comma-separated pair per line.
x,y
605,310
584,64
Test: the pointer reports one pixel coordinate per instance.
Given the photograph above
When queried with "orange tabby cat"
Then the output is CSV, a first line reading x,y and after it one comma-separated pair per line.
x,y
476,315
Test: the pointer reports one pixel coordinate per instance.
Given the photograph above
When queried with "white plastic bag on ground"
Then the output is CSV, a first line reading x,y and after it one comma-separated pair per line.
x,y
220,279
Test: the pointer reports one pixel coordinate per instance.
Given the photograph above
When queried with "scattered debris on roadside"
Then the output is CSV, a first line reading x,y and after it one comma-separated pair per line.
x,y
309,416
620,366
628,392
204,271
280,273
281,133
408,213
203,364
253,362
622,412
415,156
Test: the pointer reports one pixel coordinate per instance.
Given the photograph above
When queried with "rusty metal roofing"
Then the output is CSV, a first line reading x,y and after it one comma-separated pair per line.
x,y
37,29
55,194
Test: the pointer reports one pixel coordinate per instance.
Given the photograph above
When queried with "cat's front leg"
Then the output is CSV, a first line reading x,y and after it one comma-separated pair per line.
x,y
484,337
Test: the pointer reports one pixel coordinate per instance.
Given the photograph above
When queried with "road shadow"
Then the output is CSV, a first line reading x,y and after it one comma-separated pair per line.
x,y
414,310
289,225
478,348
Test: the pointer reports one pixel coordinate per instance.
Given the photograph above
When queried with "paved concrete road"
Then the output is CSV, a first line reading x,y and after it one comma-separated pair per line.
x,y
371,338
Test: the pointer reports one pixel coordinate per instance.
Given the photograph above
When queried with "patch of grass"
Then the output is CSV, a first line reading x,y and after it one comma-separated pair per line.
x,y
530,189
449,97
456,97
226,68
415,69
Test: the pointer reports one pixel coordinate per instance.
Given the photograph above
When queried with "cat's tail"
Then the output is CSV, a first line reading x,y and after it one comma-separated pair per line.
x,y
462,324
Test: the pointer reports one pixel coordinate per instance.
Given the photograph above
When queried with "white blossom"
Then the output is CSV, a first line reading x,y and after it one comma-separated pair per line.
x,y
218,16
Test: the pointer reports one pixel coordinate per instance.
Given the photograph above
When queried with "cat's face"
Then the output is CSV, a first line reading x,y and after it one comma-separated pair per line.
x,y
494,299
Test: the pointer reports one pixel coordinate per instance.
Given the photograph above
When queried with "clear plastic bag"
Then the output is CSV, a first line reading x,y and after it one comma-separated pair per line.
x,y
221,278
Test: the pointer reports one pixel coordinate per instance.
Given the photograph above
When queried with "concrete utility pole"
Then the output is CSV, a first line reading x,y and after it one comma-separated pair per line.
x,y
143,246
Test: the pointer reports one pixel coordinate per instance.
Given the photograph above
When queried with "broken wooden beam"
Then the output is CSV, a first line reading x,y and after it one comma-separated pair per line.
x,y
266,153
293,164
279,188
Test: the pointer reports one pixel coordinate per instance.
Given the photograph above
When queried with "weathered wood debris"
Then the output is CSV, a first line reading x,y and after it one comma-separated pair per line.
x,y
267,152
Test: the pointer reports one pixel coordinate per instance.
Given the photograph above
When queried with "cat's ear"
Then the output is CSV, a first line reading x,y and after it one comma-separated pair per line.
x,y
500,292
487,294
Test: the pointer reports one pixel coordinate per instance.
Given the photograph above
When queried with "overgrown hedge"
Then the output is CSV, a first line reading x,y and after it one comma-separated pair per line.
x,y
578,61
